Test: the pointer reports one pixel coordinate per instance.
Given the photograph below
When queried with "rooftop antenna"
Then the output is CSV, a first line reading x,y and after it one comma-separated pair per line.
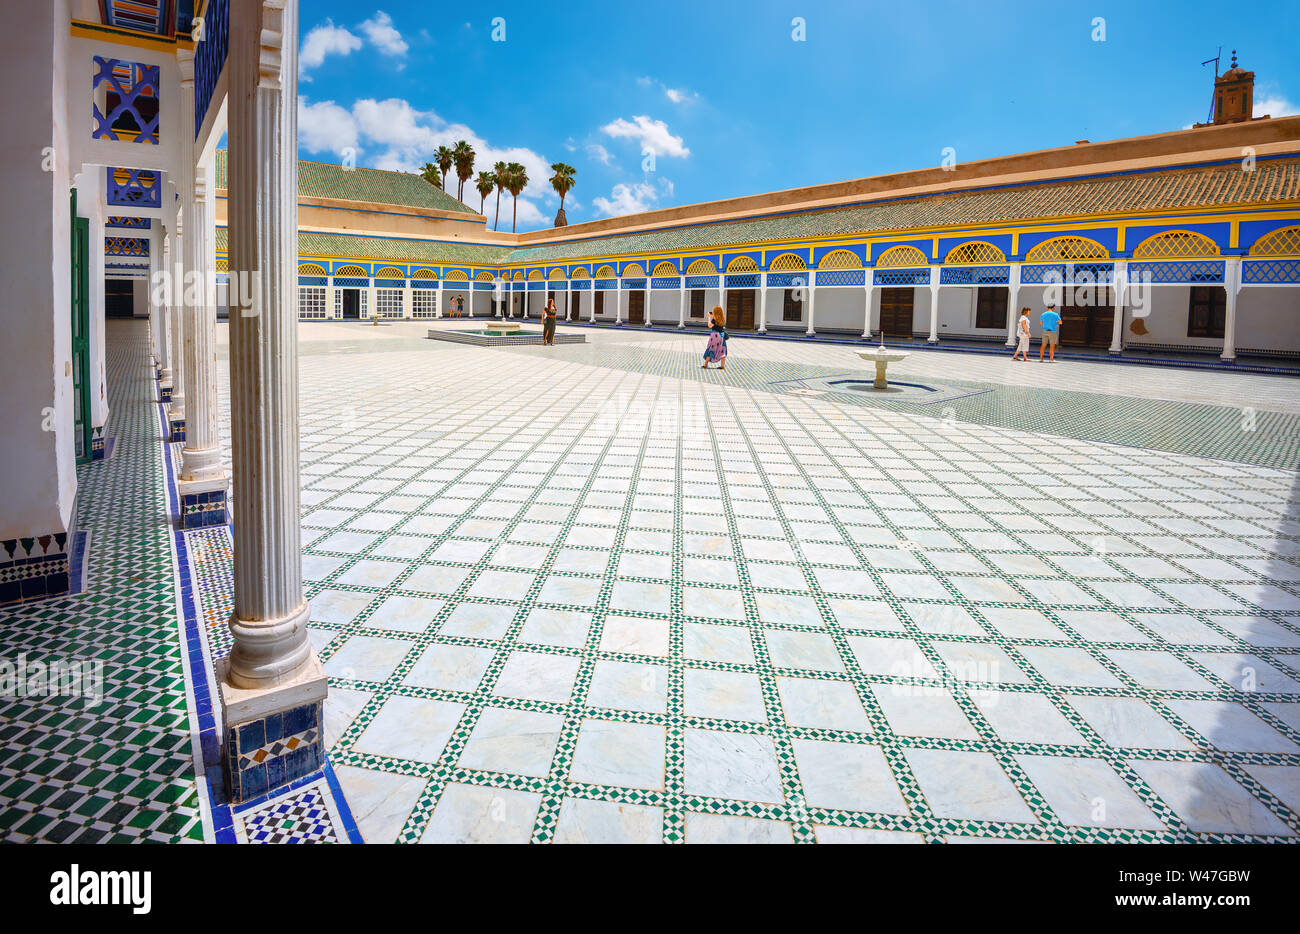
x,y
1217,56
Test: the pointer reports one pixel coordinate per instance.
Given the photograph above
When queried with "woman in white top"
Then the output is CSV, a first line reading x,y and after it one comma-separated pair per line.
x,y
1022,332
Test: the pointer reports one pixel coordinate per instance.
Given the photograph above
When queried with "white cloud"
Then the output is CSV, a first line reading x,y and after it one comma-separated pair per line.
x,y
645,81
379,30
397,137
626,199
325,127
326,39
1275,105
599,153
680,96
652,135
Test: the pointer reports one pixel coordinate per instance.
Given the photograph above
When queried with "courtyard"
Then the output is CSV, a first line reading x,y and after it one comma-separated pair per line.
x,y
593,593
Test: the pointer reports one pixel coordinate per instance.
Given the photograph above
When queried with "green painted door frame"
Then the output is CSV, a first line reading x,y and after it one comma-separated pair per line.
x,y
80,250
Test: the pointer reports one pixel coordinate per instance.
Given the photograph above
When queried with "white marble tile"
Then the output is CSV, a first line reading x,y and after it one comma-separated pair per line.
x,y
340,709
585,821
822,704
629,755
1088,793
829,834
1208,800
847,777
1231,727
1128,722
1159,670
635,635
405,614
718,643
882,656
724,695
732,765
922,711
367,658
411,728
713,603
1069,666
479,620
478,814
338,606
450,667
538,676
967,786
718,828
806,651
564,628
380,802
629,686
519,742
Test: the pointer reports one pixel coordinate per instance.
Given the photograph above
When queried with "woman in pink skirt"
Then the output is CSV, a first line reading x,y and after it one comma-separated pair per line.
x,y
717,347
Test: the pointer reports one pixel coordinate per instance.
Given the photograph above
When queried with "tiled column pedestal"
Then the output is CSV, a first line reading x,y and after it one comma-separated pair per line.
x,y
203,503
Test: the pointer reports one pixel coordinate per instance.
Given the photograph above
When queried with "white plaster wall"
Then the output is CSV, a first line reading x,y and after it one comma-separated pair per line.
x,y
140,298
663,306
39,483
957,308
1268,318
836,309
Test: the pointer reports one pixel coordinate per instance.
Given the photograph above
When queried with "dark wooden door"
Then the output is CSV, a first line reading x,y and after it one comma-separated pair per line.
x,y
351,303
1086,325
740,309
896,312
636,307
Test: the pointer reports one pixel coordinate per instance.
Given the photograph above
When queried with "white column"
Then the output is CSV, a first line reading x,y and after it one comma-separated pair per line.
x,y
406,299
157,313
811,307
618,301
1120,288
1013,304
593,301
372,305
722,292
272,665
176,411
437,311
762,302
201,456
329,297
1231,286
681,304
866,315
934,305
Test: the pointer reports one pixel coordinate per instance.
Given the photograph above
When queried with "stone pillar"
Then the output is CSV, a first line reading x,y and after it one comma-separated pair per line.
x,y
175,309
722,292
203,482
618,301
1013,303
866,315
156,329
762,302
166,378
437,311
811,303
681,304
592,319
934,305
407,303
272,685
1231,286
1120,288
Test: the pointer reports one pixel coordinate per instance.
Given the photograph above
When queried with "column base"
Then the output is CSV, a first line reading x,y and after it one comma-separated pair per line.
x,y
274,736
176,428
1232,359
203,502
1113,352
932,340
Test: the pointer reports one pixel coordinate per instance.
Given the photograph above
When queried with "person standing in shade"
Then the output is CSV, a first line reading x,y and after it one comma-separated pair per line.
x,y
460,306
548,323
1051,332
717,346
1022,336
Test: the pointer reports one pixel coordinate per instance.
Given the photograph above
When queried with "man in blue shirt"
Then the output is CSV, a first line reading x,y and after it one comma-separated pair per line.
x,y
1051,332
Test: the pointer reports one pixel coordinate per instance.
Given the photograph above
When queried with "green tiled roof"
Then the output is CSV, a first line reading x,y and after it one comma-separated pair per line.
x,y
322,180
1220,185
408,251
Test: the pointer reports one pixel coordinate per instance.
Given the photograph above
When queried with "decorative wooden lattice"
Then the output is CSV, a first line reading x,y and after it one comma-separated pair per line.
x,y
310,269
352,271
133,187
1271,272
1284,242
424,274
534,275
701,267
898,256
605,272
557,275
841,278
665,269
787,262
742,264
126,246
580,273
125,87
975,253
390,272
840,259
1176,244
1066,250
518,276
222,264
459,275
633,271
483,276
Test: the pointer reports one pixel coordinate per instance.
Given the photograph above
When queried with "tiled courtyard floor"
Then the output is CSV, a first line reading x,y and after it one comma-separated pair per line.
x,y
591,593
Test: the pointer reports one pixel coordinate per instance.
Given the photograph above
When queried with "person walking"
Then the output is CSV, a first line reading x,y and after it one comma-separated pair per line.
x,y
716,349
1022,336
1051,320
548,323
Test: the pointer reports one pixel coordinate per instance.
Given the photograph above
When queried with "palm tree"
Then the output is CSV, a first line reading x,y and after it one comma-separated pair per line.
x,y
485,182
464,156
562,181
516,181
502,173
431,174
444,158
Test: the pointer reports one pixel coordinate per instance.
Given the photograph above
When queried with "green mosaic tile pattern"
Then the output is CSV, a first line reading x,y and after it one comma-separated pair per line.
x,y
560,601
122,771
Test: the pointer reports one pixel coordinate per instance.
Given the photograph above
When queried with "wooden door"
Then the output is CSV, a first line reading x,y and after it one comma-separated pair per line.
x,y
1086,325
636,306
740,310
896,312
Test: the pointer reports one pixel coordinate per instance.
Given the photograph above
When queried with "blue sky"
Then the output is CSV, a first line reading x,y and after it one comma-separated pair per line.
x,y
728,102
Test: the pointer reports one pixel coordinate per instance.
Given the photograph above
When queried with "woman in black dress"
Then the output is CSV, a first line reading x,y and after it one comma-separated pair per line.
x,y
548,323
